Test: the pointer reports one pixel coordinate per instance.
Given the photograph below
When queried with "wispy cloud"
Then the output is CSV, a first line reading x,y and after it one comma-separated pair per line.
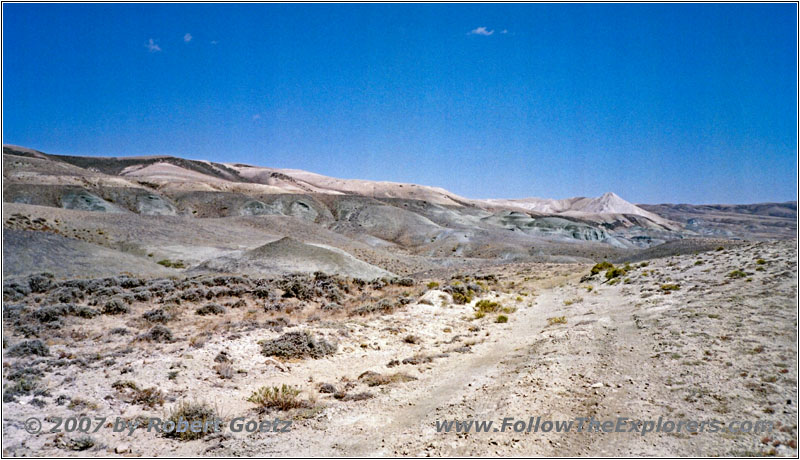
x,y
187,38
214,42
481,31
152,46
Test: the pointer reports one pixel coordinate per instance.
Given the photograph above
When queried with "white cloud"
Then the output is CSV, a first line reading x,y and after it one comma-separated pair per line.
x,y
256,117
505,31
152,46
214,42
187,38
481,31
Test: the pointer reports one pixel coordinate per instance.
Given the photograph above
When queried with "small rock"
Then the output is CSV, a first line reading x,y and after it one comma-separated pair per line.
x,y
122,449
597,385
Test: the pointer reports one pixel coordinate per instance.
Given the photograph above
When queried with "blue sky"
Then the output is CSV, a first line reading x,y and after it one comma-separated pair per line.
x,y
658,103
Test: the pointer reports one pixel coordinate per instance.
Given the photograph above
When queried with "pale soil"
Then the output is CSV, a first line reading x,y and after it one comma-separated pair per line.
x,y
714,349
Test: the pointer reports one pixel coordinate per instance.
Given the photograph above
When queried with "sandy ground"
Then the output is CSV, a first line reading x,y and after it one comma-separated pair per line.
x,y
715,347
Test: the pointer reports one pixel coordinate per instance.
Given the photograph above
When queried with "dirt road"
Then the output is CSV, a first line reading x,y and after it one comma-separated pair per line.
x,y
628,350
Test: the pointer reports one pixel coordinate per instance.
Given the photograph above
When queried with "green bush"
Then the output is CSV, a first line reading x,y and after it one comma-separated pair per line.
x,y
737,274
601,266
487,306
615,272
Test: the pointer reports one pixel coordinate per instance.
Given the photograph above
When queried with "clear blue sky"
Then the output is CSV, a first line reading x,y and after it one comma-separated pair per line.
x,y
658,103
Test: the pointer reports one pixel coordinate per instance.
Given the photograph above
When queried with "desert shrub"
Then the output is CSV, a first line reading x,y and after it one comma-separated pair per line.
x,y
432,285
670,287
411,339
604,265
78,404
157,334
65,295
374,379
382,306
237,304
284,397
115,306
461,294
461,299
170,264
487,306
191,412
761,261
298,289
28,348
41,282
615,272
210,309
557,320
149,397
737,274
158,315
84,312
297,344
77,444
23,380
50,313
501,319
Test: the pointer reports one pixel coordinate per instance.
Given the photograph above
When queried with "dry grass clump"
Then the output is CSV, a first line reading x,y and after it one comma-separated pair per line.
x,y
284,397
670,287
375,379
191,412
557,320
148,397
